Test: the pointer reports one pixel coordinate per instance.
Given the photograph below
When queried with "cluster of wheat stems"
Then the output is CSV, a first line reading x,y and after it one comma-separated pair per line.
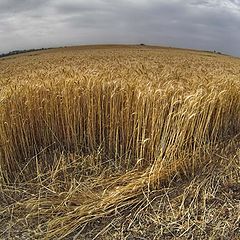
x,y
97,142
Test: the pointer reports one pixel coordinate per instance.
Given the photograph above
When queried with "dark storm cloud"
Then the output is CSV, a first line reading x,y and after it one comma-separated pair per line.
x,y
206,24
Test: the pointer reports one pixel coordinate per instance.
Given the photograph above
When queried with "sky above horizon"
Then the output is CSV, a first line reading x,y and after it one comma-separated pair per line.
x,y
206,24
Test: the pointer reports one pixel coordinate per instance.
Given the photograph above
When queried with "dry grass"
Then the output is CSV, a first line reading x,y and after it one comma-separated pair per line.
x,y
98,135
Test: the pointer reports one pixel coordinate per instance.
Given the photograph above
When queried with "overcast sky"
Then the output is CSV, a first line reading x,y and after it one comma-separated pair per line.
x,y
201,24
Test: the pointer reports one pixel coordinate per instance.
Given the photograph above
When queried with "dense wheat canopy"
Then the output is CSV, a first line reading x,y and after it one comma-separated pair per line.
x,y
87,131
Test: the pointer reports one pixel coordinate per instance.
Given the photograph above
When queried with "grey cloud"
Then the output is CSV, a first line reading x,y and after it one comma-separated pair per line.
x,y
19,6
73,7
202,24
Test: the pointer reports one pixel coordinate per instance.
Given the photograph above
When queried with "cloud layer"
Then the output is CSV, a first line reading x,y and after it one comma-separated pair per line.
x,y
206,24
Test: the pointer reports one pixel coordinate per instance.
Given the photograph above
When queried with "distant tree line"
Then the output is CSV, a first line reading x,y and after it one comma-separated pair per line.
x,y
217,52
15,52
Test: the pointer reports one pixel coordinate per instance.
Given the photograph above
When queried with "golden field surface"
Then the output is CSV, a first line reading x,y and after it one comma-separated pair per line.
x,y
119,142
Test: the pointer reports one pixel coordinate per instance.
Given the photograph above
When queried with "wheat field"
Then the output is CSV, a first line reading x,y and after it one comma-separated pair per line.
x,y
120,142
